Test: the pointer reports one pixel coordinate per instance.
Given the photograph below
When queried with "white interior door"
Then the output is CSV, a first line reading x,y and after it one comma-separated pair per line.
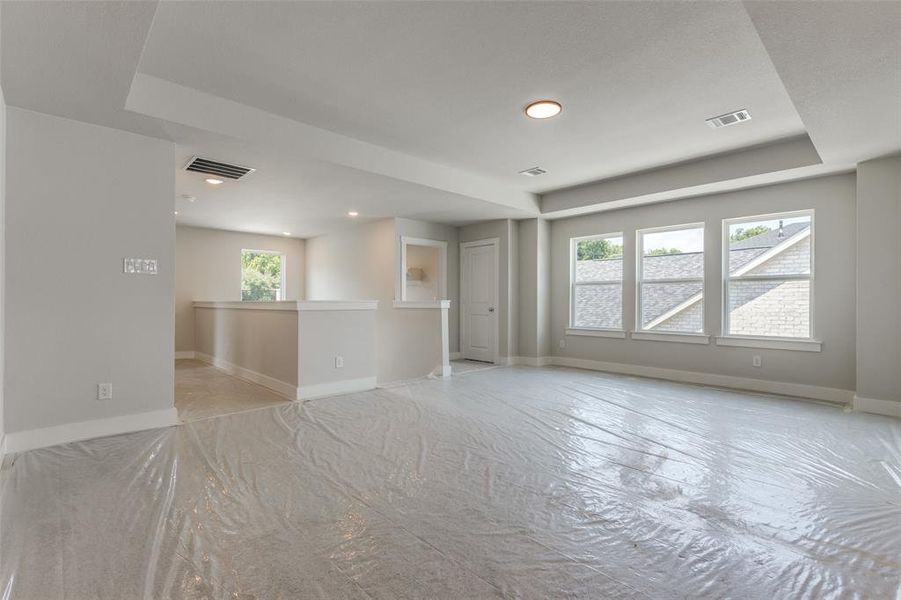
x,y
478,301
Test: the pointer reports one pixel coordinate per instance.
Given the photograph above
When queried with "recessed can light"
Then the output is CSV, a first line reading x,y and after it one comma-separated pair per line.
x,y
543,109
189,197
286,233
176,212
352,213
213,181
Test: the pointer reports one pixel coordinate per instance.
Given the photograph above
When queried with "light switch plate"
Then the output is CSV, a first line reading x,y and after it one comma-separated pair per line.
x,y
140,266
339,362
104,391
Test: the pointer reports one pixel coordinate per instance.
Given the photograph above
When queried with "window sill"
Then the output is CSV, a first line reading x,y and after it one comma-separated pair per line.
x,y
684,338
769,343
605,333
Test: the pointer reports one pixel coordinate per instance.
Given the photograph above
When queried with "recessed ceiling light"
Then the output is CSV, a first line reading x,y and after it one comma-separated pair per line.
x,y
543,109
176,212
188,197
213,181
352,213
286,233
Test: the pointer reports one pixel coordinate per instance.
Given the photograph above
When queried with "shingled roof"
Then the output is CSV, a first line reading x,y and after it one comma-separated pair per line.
x,y
661,298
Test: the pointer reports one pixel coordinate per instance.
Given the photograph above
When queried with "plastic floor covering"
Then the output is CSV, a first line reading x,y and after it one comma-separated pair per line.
x,y
512,483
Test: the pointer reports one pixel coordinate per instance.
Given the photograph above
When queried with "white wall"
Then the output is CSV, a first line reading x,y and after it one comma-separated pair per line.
x,y
208,267
879,279
534,295
80,198
833,199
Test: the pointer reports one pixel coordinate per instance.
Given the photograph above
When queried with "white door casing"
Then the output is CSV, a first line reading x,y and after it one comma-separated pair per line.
x,y
479,300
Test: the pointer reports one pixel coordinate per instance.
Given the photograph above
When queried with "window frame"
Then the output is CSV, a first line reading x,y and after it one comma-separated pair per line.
x,y
639,279
283,290
725,336
573,253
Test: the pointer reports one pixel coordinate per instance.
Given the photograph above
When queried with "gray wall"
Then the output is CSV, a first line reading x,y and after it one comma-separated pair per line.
x,y
833,199
533,293
208,267
445,233
80,198
2,263
879,279
361,263
323,335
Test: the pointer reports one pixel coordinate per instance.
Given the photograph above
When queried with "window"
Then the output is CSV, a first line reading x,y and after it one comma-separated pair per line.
x,y
597,282
671,279
768,275
262,276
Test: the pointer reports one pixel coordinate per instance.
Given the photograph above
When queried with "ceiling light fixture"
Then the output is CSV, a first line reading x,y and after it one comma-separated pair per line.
x,y
176,212
286,233
213,181
189,197
352,213
543,109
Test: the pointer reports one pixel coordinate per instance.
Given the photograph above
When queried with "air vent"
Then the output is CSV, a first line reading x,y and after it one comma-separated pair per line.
x,y
219,169
533,172
731,118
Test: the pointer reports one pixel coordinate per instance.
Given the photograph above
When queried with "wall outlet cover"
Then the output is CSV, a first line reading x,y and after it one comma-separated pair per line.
x,y
339,362
563,343
104,391
757,361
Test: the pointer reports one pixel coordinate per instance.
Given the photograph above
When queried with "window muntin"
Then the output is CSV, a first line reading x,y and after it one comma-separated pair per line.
x,y
262,276
768,276
596,290
670,287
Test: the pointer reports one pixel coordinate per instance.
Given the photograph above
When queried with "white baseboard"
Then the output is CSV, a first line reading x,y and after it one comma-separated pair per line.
x,y
20,441
727,381
182,354
889,408
2,447
442,371
531,361
456,355
336,388
287,390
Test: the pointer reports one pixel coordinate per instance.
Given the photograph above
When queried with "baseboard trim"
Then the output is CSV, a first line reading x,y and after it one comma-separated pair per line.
x,y
442,371
2,448
20,441
532,361
276,385
183,354
456,355
336,388
889,408
781,388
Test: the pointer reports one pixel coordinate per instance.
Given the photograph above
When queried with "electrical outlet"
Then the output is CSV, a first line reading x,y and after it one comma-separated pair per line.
x,y
757,361
104,391
563,343
339,362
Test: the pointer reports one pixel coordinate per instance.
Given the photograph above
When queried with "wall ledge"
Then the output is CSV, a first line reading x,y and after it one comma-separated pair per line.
x,y
20,441
291,305
413,304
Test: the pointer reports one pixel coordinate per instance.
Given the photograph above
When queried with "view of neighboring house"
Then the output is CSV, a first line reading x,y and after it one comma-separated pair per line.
x,y
761,307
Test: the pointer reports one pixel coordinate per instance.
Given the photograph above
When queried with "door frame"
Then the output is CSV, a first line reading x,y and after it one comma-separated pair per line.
x,y
496,242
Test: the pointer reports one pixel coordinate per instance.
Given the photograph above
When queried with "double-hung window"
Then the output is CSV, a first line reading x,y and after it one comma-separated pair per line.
x,y
768,276
670,286
596,277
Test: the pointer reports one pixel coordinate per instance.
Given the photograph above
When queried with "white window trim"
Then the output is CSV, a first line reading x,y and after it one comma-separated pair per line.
x,y
593,331
671,336
283,290
646,333
401,285
808,344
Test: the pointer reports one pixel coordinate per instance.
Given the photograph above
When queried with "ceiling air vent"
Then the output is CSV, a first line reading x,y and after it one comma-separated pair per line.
x,y
533,172
219,169
731,118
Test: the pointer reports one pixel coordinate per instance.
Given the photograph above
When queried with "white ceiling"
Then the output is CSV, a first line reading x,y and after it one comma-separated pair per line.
x,y
447,81
415,109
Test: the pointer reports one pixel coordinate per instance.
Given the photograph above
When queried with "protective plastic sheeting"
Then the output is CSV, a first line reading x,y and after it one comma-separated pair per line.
x,y
515,482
